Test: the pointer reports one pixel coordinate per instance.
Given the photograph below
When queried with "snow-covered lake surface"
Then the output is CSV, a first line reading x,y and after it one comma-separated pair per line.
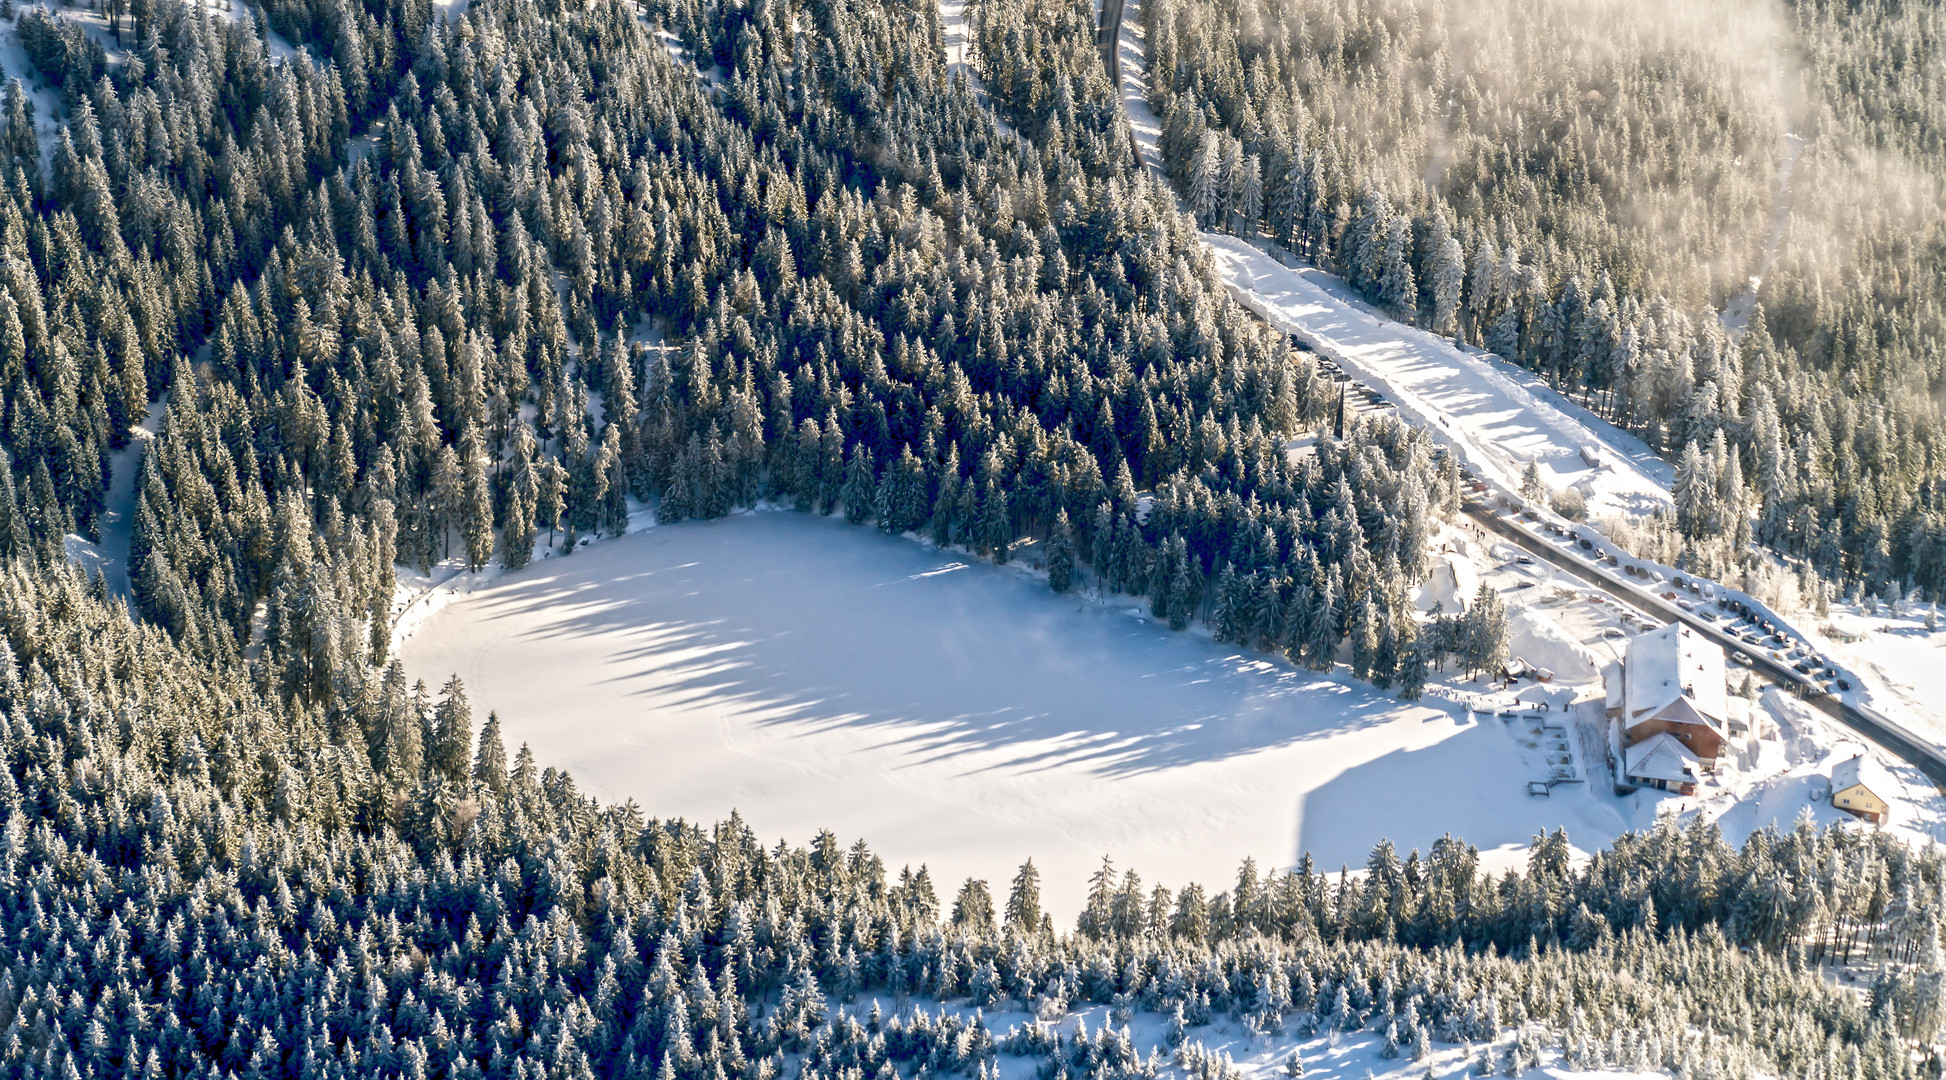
x,y
813,674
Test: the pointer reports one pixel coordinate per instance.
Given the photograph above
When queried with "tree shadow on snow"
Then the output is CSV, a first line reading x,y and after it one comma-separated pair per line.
x,y
806,624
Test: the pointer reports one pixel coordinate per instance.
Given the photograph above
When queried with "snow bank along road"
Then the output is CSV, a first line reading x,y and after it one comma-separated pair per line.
x,y
812,674
1870,723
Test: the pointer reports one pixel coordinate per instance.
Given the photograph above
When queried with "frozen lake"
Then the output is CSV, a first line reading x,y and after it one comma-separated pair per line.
x,y
813,674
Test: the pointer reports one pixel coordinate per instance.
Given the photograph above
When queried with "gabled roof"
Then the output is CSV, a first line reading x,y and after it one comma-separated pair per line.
x,y
1671,665
1866,772
1661,756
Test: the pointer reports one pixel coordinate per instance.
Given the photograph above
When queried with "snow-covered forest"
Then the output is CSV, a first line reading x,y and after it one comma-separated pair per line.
x,y
1582,188
396,282
199,877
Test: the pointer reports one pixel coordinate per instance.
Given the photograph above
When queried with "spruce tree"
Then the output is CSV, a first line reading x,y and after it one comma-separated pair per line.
x,y
1060,555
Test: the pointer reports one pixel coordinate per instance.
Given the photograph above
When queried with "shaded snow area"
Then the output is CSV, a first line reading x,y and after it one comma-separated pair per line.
x,y
1497,417
110,557
817,675
47,101
957,31
49,117
1327,1055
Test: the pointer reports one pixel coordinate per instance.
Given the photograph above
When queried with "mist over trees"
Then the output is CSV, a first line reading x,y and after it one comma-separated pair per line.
x,y
438,288
1581,187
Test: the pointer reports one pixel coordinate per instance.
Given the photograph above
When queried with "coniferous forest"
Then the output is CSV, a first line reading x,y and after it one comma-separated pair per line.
x,y
433,287
1582,187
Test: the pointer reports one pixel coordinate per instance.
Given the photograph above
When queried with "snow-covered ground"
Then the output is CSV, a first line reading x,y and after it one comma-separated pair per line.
x,y
1495,416
1327,1055
958,34
1133,49
1901,665
47,101
959,39
110,557
1736,314
812,674
49,117
1559,623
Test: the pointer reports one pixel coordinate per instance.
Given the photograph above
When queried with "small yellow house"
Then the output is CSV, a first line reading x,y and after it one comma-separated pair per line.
x,y
1860,787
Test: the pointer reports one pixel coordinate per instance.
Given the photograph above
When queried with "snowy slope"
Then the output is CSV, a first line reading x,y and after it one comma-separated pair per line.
x,y
1134,52
958,33
813,674
1897,665
1497,417
1328,1055
118,516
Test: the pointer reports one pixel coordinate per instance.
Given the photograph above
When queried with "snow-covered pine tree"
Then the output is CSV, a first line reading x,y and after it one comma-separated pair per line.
x,y
1060,555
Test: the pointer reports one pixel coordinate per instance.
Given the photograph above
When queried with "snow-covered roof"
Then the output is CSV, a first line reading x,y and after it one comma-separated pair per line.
x,y
1862,771
1611,677
1675,666
1661,756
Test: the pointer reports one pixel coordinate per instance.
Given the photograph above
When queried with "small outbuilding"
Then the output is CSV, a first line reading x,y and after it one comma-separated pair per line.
x,y
1861,787
1662,762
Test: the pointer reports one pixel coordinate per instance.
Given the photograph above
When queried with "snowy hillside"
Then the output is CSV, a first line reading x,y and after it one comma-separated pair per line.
x,y
1496,416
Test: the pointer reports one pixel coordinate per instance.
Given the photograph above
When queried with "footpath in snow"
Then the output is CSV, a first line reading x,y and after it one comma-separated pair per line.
x,y
1495,416
1133,51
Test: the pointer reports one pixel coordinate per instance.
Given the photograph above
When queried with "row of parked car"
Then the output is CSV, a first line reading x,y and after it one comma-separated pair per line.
x,y
1753,628
1744,623
1358,395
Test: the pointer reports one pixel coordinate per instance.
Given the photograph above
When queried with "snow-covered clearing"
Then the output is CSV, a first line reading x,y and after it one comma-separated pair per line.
x,y
959,38
1495,416
1900,665
817,675
1736,314
1133,49
957,32
110,557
